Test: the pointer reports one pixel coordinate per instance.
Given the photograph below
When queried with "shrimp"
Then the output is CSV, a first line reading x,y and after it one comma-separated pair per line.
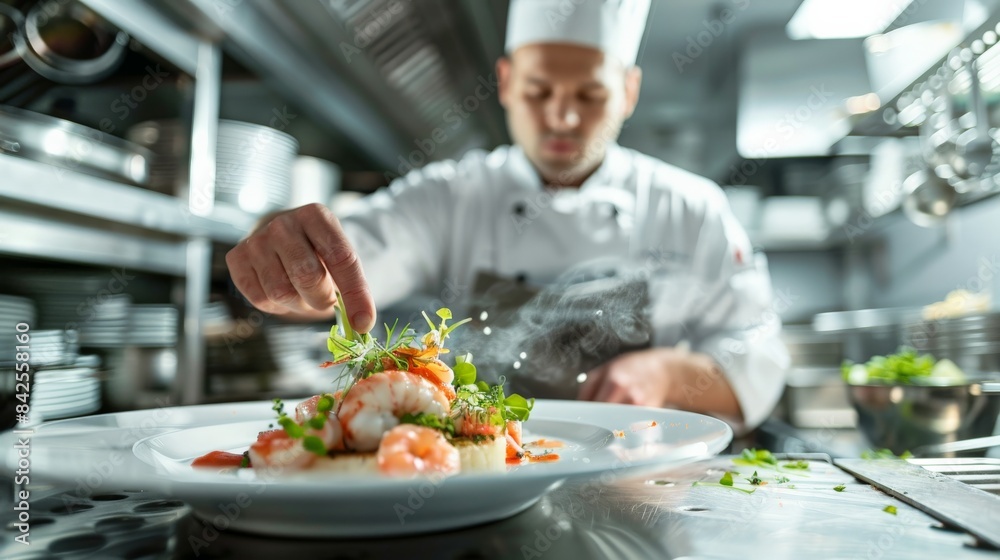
x,y
409,450
514,449
375,404
275,450
307,408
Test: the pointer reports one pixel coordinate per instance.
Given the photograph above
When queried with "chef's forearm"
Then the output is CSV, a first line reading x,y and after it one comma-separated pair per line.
x,y
698,384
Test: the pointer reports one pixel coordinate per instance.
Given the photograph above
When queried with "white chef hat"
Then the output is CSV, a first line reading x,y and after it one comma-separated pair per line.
x,y
612,26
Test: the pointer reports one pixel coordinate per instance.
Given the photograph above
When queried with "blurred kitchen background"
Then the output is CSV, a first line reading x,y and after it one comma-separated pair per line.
x,y
860,152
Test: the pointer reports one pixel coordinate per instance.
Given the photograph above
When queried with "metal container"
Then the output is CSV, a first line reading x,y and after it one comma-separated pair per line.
x,y
972,341
71,146
907,417
68,43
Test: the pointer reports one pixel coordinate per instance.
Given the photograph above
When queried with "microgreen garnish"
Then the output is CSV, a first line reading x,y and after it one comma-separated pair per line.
x,y
839,488
465,371
487,402
362,354
245,461
314,444
324,404
890,509
755,480
443,423
727,479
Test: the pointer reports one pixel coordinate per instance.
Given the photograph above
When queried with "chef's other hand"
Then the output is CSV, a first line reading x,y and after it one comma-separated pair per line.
x,y
294,264
663,377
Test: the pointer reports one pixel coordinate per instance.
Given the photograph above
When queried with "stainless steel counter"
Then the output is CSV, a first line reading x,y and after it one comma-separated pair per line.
x,y
658,517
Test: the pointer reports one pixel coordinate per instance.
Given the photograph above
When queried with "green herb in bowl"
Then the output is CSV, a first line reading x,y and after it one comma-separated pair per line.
x,y
905,367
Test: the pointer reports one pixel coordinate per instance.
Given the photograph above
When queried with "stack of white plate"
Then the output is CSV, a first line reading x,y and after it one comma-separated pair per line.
x,y
216,319
152,326
13,311
253,162
53,347
65,392
106,324
297,353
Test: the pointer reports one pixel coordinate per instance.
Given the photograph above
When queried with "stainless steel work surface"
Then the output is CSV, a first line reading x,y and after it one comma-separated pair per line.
x,y
654,517
952,501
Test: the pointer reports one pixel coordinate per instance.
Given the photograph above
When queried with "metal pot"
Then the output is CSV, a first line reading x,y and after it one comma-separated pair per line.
x,y
929,198
70,44
72,146
908,417
10,21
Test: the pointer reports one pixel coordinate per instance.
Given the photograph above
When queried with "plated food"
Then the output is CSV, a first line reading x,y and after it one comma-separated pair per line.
x,y
397,409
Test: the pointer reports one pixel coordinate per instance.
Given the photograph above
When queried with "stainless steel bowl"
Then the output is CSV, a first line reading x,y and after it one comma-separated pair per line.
x,y
908,417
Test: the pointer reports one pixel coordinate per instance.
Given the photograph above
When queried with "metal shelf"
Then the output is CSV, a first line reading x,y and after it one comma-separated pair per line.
x,y
27,235
61,189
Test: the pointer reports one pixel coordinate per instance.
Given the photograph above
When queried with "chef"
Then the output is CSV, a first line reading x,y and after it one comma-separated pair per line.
x,y
564,195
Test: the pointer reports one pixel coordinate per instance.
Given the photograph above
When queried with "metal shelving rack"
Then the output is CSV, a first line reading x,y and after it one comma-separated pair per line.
x,y
69,219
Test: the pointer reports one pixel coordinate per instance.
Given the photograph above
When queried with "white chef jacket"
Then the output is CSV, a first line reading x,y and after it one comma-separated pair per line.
x,y
435,228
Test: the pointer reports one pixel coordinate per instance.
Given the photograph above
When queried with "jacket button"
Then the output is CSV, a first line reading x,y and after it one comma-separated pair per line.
x,y
520,208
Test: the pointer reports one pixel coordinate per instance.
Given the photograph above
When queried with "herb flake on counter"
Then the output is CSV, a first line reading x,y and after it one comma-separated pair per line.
x,y
839,488
781,479
801,465
890,509
716,484
876,454
727,479
755,480
756,458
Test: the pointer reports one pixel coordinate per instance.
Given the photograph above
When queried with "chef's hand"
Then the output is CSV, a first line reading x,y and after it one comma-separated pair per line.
x,y
294,264
663,377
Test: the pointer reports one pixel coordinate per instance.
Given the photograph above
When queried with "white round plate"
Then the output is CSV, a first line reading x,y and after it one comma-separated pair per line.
x,y
152,450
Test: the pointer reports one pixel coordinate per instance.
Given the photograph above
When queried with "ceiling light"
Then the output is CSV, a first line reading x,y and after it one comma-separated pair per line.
x,y
839,19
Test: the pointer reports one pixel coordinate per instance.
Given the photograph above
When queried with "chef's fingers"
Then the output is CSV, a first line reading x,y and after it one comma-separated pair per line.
x,y
245,278
303,268
277,287
331,244
589,388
